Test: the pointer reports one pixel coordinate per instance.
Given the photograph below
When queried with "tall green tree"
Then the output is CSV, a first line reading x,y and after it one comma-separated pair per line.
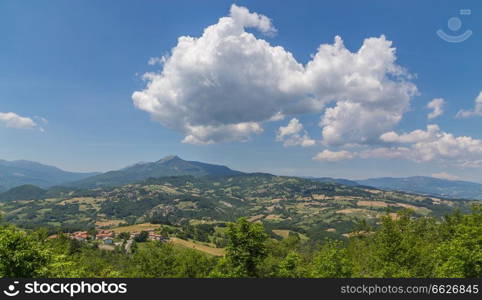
x,y
460,255
246,248
21,254
332,261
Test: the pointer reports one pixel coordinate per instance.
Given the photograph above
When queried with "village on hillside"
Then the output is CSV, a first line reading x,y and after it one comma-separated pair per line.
x,y
109,239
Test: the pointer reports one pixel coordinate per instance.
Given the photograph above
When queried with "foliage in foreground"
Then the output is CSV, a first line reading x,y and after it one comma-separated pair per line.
x,y
401,247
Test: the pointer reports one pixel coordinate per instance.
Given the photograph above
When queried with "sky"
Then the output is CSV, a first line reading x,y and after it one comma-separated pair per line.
x,y
346,89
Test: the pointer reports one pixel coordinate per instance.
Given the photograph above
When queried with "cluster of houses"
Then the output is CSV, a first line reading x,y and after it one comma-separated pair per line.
x,y
80,235
152,236
107,236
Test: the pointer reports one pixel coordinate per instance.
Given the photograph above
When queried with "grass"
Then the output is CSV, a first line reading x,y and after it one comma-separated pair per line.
x,y
197,246
108,223
282,233
286,233
372,203
136,227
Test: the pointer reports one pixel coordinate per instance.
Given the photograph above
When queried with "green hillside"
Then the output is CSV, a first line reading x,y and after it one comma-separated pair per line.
x,y
315,209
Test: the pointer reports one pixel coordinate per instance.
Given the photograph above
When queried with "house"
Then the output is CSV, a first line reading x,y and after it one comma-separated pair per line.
x,y
80,235
156,237
102,234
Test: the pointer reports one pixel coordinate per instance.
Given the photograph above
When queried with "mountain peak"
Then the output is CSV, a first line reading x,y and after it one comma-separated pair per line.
x,y
171,165
169,158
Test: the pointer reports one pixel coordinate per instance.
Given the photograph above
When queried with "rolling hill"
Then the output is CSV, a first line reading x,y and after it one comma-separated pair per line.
x,y
24,192
428,186
315,209
335,180
167,166
22,172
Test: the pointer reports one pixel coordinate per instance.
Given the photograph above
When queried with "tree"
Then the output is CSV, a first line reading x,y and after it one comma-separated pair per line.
x,y
332,261
460,255
142,237
246,248
21,255
124,235
290,266
155,260
92,233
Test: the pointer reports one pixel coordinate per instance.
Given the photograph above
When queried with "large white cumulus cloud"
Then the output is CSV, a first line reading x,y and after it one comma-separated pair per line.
x,y
223,85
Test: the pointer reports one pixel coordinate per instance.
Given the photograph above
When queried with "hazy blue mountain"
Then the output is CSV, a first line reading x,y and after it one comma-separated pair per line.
x,y
168,166
428,186
23,192
21,172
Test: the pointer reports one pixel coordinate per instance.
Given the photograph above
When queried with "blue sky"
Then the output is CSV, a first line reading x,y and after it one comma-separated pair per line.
x,y
70,68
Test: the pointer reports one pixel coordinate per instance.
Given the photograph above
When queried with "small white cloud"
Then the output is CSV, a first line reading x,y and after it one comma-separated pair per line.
x,y
293,134
12,120
477,111
334,156
245,18
277,117
205,135
444,175
156,60
412,137
437,106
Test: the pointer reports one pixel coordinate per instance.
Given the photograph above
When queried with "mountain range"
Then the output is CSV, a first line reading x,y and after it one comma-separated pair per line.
x,y
168,166
20,172
428,186
17,173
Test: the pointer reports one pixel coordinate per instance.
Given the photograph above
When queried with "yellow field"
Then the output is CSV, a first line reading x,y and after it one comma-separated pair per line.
x,y
255,218
352,211
136,227
282,233
107,223
420,210
359,233
196,246
81,200
372,203
373,191
273,217
107,247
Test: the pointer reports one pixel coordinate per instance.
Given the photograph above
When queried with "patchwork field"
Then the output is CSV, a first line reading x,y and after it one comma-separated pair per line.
x,y
197,206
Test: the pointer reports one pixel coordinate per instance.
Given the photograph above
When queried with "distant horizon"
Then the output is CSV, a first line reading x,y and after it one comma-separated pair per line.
x,y
241,170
